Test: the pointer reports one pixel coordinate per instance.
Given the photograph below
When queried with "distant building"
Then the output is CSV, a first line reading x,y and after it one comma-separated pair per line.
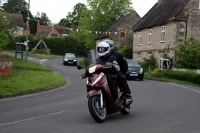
x,y
167,24
121,30
51,31
15,22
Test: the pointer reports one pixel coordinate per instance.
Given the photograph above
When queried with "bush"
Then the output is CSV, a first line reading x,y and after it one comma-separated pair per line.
x,y
5,58
182,75
157,72
127,51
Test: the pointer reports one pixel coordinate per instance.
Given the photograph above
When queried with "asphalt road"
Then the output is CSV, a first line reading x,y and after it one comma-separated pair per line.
x,y
158,107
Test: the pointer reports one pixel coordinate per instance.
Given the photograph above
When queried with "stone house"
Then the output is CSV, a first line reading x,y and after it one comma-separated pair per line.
x,y
121,30
167,24
15,22
51,31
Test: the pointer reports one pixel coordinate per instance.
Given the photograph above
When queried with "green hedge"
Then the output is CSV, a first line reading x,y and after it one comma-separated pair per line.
x,y
58,46
182,75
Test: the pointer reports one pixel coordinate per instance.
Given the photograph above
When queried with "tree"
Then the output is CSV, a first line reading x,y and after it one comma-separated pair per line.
x,y
127,51
16,6
100,15
189,54
72,18
4,40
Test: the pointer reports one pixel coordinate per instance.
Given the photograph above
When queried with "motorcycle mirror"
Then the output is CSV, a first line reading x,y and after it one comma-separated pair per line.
x,y
79,67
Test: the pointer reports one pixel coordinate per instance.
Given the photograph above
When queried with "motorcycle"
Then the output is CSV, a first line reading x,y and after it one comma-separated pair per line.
x,y
100,101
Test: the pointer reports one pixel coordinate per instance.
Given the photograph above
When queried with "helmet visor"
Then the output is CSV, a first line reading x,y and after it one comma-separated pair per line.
x,y
102,49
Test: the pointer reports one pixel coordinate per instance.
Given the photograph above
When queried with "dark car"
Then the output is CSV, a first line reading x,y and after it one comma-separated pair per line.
x,y
135,71
69,59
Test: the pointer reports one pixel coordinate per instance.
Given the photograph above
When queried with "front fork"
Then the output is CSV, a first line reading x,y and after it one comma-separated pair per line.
x,y
97,92
101,100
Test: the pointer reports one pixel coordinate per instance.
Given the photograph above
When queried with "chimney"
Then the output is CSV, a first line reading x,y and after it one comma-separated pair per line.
x,y
38,27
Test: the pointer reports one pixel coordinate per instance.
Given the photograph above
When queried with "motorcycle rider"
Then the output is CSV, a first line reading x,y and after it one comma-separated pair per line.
x,y
123,69
105,58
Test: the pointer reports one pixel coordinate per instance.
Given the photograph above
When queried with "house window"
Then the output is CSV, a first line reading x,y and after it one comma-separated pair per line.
x,y
139,58
150,36
139,38
149,56
162,39
122,35
161,55
53,35
199,4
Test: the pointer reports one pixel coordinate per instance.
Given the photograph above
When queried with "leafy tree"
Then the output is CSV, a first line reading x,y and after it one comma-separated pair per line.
x,y
72,18
100,15
16,6
149,64
127,51
189,54
4,40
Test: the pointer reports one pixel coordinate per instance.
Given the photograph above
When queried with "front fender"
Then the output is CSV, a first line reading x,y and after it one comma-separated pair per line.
x,y
93,92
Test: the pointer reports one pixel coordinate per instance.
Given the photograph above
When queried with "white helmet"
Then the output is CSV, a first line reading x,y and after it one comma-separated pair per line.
x,y
103,48
110,42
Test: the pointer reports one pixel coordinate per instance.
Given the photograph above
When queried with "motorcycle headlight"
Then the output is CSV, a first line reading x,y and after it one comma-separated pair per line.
x,y
141,70
92,69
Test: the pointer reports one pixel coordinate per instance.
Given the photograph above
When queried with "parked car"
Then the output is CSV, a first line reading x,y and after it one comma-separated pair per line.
x,y
135,71
69,59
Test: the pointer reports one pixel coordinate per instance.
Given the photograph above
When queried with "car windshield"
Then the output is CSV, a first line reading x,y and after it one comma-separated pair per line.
x,y
132,63
69,56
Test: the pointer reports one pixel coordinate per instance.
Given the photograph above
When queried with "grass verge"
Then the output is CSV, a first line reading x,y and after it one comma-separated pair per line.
x,y
170,80
27,78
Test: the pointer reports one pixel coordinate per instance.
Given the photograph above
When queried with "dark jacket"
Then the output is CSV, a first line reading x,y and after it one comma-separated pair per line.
x,y
107,58
121,61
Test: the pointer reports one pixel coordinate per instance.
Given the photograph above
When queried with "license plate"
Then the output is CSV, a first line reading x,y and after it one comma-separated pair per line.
x,y
133,74
70,62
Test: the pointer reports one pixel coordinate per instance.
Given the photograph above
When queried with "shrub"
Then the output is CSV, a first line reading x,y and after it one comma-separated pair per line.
x,y
157,72
127,51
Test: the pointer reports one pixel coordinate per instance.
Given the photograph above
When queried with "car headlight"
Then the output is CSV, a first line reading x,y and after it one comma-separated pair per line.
x,y
65,59
74,60
141,70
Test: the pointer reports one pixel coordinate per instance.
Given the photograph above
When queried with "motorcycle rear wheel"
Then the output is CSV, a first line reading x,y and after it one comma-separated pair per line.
x,y
97,113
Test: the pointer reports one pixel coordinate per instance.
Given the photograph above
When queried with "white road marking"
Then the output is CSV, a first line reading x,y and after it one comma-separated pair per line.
x,y
14,122
41,61
186,87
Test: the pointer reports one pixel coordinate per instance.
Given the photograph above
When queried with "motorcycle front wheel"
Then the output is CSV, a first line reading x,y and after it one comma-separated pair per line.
x,y
97,112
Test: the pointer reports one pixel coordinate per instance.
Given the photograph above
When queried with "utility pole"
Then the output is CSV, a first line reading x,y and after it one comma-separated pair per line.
x,y
27,28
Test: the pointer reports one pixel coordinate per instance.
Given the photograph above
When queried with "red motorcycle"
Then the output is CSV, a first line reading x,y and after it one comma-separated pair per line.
x,y
100,101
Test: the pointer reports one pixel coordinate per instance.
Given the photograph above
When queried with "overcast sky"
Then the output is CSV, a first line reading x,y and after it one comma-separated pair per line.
x,y
58,9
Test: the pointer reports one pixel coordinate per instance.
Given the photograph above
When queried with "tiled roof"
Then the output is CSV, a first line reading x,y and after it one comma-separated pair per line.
x,y
47,29
13,19
62,30
160,13
113,26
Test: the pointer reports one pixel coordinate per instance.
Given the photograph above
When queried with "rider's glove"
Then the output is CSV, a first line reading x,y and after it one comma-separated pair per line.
x,y
116,66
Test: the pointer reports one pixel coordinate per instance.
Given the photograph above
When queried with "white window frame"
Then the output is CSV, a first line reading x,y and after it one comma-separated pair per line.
x,y
139,38
161,55
139,56
149,56
150,36
199,4
162,38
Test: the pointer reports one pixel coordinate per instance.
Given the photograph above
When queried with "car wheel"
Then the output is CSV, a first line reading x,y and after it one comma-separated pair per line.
x,y
141,77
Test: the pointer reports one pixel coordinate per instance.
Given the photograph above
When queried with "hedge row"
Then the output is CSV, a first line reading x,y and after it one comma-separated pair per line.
x,y
182,75
58,46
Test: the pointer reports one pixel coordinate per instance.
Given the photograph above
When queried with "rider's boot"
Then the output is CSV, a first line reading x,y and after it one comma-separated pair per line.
x,y
129,99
